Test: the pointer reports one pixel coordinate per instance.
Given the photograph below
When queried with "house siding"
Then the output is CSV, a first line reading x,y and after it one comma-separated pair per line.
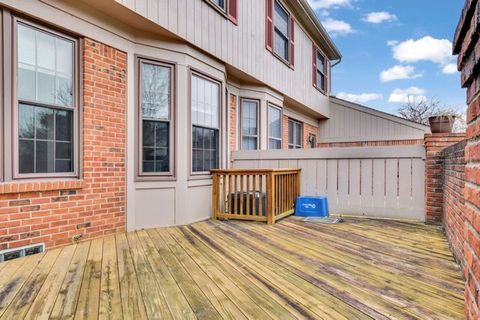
x,y
241,45
57,213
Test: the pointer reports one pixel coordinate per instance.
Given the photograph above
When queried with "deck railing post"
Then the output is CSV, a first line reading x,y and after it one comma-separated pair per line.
x,y
215,193
270,197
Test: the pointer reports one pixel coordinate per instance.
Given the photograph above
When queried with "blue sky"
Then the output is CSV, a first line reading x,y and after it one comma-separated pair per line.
x,y
394,50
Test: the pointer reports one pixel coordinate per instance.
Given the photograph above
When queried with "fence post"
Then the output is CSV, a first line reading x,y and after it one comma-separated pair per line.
x,y
215,192
270,197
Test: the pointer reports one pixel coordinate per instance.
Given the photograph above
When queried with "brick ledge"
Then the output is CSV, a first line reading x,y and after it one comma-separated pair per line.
x,y
36,186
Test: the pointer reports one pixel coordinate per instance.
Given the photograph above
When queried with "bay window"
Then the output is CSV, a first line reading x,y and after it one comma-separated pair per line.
x,y
274,127
249,110
155,99
205,118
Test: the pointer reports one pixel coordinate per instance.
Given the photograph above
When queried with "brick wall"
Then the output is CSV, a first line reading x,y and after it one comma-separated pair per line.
x,y
57,212
232,135
434,169
467,45
385,143
453,201
308,129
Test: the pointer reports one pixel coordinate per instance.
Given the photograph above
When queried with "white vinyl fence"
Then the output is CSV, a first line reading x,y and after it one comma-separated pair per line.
x,y
372,181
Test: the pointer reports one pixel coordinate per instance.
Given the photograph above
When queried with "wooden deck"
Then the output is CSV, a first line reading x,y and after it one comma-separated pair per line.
x,y
360,269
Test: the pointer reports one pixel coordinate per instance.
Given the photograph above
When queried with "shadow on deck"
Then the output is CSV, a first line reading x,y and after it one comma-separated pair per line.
x,y
361,269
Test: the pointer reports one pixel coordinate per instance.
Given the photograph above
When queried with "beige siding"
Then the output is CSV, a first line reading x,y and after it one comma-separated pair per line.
x,y
241,46
351,122
385,182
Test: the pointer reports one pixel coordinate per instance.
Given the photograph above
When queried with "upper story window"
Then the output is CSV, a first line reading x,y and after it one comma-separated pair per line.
x,y
45,106
320,70
274,127
205,114
249,124
294,134
229,8
280,31
156,125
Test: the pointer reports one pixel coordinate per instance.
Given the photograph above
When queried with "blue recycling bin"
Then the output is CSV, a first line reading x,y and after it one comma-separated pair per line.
x,y
311,206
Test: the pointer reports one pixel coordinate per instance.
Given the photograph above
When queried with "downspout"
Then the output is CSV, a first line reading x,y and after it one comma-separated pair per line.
x,y
337,62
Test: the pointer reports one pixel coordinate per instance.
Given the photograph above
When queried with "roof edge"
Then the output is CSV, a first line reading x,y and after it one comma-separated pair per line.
x,y
381,114
328,42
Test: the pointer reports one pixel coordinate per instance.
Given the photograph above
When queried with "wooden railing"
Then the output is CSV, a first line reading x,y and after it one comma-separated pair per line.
x,y
254,194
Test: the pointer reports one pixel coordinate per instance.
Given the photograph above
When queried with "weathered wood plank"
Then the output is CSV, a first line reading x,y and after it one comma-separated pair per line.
x,y
45,299
110,297
133,306
89,298
67,298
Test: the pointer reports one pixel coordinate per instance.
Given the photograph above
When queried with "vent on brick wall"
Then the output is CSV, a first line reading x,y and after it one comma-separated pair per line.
x,y
15,253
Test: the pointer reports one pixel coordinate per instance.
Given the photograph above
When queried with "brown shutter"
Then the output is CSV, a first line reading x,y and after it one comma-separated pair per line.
x,y
269,25
292,41
233,10
314,65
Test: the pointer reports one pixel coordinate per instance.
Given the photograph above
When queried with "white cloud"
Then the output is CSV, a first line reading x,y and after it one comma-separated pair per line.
x,y
337,27
362,97
398,73
438,51
412,94
450,68
327,4
379,17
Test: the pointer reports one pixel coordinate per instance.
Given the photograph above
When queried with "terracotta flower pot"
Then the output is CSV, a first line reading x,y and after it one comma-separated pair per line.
x,y
441,124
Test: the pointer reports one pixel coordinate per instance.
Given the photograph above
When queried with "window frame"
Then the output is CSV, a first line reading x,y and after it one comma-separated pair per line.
x,y
257,102
140,174
76,107
226,12
324,72
295,123
289,15
271,105
199,175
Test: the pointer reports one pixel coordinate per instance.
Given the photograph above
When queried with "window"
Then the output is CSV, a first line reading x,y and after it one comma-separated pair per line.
x,y
156,126
281,34
294,134
249,124
320,67
229,8
274,127
205,113
312,140
280,31
46,108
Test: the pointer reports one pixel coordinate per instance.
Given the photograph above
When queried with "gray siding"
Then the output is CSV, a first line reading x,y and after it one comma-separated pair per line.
x,y
351,122
241,46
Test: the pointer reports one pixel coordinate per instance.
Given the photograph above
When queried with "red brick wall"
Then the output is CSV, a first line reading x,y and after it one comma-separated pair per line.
x,y
232,135
467,46
434,169
308,129
453,201
57,212
370,143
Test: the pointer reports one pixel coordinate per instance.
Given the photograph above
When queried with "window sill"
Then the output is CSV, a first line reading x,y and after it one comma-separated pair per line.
x,y
321,91
285,62
40,185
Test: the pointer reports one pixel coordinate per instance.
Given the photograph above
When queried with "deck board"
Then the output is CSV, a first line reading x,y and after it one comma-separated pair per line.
x,y
362,269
